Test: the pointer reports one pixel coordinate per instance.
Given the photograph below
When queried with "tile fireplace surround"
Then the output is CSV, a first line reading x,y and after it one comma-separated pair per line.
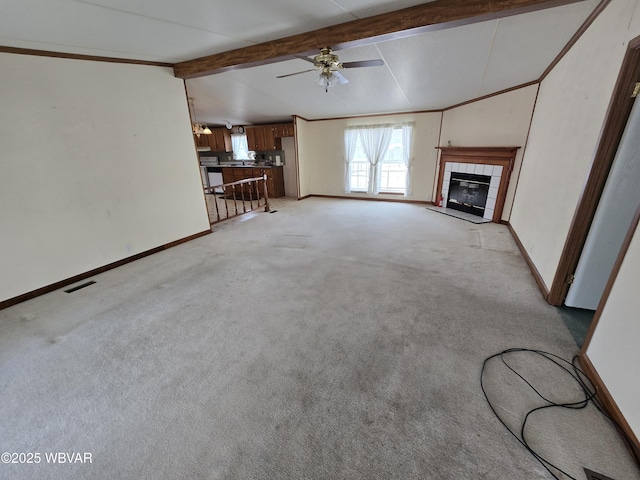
x,y
493,171
496,162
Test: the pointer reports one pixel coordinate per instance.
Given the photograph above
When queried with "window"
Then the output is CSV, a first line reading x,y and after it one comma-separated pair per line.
x,y
240,146
359,169
359,176
391,172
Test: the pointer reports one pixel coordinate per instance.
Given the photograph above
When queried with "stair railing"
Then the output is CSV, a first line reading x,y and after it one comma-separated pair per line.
x,y
236,198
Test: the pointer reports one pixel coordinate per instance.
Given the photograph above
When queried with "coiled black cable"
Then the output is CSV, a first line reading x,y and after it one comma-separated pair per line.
x,y
585,385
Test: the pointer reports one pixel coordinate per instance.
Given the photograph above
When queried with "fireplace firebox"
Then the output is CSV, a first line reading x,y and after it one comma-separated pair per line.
x,y
468,192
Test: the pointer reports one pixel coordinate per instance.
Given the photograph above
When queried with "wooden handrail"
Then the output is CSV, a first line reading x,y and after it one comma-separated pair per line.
x,y
230,189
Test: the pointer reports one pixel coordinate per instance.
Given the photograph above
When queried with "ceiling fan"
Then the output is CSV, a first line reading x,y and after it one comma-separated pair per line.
x,y
328,63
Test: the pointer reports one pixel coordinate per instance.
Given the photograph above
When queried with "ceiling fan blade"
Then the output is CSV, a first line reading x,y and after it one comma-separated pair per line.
x,y
364,63
306,59
341,78
297,73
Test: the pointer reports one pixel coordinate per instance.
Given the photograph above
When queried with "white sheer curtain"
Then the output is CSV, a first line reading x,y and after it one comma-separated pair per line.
x,y
375,142
350,141
407,153
239,146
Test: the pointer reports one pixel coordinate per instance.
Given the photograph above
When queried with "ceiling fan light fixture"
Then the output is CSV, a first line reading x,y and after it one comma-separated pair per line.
x,y
326,80
201,129
329,65
198,128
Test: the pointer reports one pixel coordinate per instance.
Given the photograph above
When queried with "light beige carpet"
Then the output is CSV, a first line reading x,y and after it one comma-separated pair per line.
x,y
333,339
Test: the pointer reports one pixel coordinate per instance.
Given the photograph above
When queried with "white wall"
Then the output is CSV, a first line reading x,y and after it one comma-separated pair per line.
x,y
568,117
613,350
325,153
97,163
502,120
499,121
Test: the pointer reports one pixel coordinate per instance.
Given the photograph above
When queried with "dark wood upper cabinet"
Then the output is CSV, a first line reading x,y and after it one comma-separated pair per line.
x,y
259,137
255,138
267,137
201,141
221,139
218,141
283,130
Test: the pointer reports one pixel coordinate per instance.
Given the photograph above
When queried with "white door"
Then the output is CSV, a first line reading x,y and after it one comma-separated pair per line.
x,y
618,204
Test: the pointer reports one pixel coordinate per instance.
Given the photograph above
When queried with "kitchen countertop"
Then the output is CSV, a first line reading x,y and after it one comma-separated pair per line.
x,y
249,165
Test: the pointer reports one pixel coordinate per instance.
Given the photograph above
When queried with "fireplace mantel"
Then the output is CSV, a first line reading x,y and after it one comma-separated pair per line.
x,y
501,156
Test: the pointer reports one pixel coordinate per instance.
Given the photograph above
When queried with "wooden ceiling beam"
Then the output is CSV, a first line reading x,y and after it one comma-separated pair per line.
x,y
435,15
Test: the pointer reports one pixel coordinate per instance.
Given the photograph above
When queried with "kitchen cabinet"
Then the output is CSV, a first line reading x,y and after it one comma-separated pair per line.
x,y
255,138
201,141
260,138
283,130
233,174
241,174
218,141
221,139
267,137
275,180
227,175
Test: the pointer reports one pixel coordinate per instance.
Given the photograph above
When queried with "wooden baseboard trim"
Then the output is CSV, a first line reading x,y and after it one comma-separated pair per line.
x,y
302,198
371,199
610,405
534,271
76,278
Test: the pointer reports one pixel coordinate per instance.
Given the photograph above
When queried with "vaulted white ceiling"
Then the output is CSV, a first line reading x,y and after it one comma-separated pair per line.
x,y
429,71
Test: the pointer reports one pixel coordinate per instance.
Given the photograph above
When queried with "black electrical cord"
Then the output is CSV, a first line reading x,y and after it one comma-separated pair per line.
x,y
587,388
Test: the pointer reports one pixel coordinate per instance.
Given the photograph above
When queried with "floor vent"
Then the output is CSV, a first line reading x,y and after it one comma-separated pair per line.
x,y
78,287
595,476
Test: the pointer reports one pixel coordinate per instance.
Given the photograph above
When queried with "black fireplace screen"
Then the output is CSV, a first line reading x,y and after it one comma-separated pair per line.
x,y
468,192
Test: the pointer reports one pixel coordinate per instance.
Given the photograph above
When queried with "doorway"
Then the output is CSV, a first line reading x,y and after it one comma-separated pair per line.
x,y
616,209
589,246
